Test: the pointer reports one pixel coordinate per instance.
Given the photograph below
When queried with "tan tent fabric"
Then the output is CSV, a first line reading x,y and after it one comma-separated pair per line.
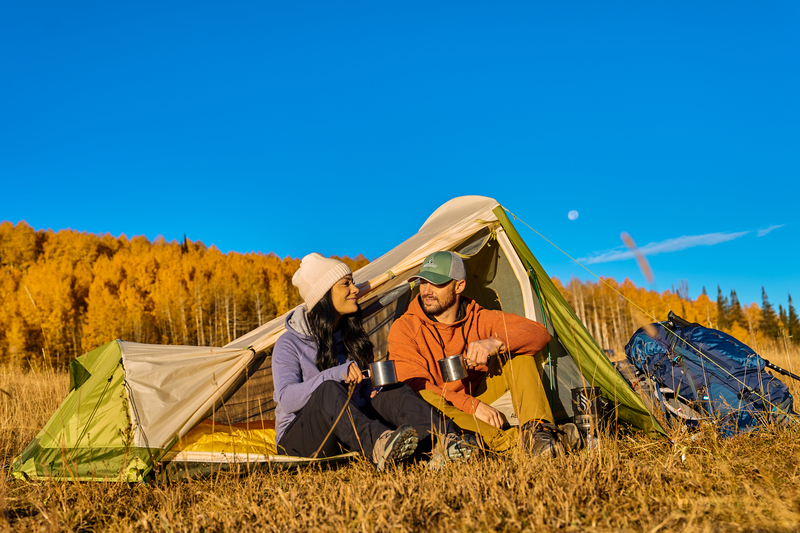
x,y
448,226
173,388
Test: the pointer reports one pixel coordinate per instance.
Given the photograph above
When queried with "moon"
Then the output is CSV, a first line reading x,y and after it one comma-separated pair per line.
x,y
572,215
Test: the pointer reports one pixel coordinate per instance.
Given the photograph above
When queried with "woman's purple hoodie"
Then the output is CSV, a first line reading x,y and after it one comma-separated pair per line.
x,y
294,370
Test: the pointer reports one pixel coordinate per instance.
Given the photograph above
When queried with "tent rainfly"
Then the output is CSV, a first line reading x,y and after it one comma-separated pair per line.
x,y
136,409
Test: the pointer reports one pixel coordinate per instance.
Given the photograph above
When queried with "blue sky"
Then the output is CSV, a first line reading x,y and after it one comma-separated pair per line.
x,y
338,127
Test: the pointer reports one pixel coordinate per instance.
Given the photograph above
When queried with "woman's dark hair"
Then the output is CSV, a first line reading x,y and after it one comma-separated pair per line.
x,y
356,342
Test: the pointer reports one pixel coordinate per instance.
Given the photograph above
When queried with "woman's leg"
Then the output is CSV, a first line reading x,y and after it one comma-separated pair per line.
x,y
399,405
354,430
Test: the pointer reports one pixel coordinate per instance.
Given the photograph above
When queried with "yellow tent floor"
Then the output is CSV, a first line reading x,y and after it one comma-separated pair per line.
x,y
252,442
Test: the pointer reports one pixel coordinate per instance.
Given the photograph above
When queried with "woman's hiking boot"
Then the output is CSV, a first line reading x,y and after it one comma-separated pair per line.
x,y
394,446
452,447
550,440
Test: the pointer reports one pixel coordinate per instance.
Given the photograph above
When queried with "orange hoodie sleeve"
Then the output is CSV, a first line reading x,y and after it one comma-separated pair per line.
x,y
414,361
520,335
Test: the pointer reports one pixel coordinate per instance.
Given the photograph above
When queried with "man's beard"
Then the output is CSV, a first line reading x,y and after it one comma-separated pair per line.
x,y
439,306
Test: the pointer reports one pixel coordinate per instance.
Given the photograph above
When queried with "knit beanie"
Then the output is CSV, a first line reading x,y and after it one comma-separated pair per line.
x,y
316,276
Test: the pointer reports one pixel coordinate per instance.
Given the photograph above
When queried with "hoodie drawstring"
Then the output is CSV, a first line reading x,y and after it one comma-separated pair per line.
x,y
441,340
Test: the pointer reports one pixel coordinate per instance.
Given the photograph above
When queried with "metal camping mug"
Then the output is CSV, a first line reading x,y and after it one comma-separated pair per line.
x,y
453,368
586,406
382,373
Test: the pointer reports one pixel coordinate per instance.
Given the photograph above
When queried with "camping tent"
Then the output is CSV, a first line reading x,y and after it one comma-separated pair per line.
x,y
135,407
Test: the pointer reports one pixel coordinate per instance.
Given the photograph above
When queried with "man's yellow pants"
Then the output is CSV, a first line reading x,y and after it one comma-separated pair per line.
x,y
519,375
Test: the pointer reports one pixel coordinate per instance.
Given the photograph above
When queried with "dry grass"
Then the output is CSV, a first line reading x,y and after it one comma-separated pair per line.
x,y
701,483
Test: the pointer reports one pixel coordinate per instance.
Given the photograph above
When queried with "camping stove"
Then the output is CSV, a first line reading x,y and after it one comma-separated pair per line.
x,y
586,406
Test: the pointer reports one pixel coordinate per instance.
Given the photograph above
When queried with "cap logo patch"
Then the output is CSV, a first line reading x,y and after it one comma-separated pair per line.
x,y
429,264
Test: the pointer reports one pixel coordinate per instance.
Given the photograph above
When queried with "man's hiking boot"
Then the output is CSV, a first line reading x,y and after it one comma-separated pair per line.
x,y
394,446
571,437
452,447
550,440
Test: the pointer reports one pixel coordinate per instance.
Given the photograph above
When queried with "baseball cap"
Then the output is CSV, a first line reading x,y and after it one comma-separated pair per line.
x,y
441,267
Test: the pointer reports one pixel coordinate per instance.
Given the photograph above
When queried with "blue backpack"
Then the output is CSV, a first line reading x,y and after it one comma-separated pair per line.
x,y
698,374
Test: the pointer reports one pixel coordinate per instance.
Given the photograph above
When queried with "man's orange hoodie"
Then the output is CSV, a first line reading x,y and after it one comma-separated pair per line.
x,y
415,347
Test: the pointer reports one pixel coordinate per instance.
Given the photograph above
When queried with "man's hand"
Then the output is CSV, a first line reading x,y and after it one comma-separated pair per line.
x,y
479,352
354,374
490,415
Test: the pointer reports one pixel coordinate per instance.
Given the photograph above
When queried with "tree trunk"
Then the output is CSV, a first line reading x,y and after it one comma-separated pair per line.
x,y
183,320
595,324
258,308
172,336
216,336
228,314
200,329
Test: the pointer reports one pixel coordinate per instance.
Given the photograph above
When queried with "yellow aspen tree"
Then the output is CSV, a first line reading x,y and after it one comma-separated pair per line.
x,y
105,314
166,292
752,314
48,286
14,335
17,245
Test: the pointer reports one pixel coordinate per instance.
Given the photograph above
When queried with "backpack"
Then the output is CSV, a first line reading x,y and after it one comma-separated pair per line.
x,y
697,374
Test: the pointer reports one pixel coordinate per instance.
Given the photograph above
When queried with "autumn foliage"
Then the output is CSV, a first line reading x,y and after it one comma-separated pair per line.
x,y
613,311
64,293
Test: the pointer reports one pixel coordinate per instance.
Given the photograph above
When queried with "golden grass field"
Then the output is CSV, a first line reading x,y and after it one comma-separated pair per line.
x,y
699,483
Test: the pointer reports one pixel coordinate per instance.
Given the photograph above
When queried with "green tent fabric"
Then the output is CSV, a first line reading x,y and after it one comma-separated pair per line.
x,y
595,366
90,434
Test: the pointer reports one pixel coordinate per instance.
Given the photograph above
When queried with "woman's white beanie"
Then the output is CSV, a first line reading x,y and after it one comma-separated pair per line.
x,y
316,276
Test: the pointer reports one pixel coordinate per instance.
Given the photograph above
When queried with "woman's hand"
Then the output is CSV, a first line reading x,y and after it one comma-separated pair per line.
x,y
353,375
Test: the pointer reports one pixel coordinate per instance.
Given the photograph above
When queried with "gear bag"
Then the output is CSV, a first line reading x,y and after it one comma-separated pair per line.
x,y
698,374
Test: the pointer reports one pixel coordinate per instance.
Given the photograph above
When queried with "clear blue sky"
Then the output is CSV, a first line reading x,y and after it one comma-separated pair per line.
x,y
338,127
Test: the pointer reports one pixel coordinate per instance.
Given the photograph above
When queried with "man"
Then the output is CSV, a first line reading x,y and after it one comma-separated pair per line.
x,y
499,351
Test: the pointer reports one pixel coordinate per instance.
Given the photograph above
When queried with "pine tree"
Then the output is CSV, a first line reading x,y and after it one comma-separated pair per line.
x,y
793,322
735,314
704,293
769,320
723,310
783,319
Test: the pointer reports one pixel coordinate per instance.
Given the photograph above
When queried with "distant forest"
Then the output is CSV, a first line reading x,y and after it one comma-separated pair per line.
x,y
612,320
64,293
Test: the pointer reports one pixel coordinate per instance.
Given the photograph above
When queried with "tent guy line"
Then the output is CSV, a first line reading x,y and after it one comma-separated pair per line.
x,y
577,262
599,279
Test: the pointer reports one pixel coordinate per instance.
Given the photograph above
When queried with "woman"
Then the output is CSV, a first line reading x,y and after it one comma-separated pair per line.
x,y
317,370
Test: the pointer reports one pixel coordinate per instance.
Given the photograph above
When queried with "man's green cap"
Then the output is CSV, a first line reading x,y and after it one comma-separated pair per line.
x,y
441,267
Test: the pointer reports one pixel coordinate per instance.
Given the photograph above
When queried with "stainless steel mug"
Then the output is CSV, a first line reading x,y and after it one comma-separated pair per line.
x,y
586,406
453,368
382,373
